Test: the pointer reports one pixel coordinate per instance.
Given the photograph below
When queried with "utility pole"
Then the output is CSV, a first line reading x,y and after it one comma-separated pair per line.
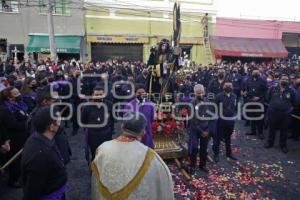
x,y
52,44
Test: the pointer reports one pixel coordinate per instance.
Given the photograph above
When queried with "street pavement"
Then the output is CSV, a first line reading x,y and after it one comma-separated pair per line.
x,y
258,174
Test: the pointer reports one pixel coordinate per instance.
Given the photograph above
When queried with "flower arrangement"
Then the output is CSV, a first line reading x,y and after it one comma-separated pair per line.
x,y
166,125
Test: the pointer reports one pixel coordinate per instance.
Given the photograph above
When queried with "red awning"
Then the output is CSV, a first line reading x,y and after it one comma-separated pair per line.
x,y
247,47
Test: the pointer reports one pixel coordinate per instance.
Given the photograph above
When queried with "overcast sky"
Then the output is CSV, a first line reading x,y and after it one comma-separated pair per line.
x,y
260,9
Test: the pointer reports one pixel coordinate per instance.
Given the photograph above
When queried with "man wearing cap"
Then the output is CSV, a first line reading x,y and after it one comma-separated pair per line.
x,y
141,104
124,168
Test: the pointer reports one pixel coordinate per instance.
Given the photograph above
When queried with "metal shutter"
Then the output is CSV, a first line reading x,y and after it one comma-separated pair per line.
x,y
126,52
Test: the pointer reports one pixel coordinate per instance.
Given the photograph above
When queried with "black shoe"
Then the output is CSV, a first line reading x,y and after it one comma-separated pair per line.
x,y
231,157
204,169
192,170
14,184
268,146
216,158
284,150
250,133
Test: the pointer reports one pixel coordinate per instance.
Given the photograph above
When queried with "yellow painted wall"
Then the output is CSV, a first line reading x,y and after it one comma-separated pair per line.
x,y
151,29
89,51
198,54
111,26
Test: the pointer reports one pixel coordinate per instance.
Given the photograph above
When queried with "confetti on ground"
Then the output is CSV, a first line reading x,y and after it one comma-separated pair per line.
x,y
244,179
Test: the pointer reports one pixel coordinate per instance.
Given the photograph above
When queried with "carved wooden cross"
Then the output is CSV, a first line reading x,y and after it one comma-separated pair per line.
x,y
15,52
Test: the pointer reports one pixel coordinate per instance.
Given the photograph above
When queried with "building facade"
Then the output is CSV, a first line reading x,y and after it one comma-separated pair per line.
x,y
120,29
250,28
24,26
255,38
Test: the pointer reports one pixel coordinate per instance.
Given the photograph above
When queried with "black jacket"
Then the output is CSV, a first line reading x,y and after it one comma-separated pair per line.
x,y
186,89
43,169
92,115
256,88
14,123
141,79
201,110
3,138
228,104
237,81
60,138
281,102
199,77
3,132
214,88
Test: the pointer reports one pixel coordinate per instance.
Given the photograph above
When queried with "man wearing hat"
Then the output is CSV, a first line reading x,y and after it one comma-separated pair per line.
x,y
124,168
141,104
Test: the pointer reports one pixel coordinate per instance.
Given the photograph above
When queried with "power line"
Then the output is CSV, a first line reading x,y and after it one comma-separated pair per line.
x,y
110,7
144,9
144,13
140,7
100,9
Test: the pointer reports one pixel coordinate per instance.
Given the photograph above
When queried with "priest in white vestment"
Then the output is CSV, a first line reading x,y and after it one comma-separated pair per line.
x,y
124,168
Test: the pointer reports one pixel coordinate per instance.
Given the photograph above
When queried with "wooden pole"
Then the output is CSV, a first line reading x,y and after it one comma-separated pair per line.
x,y
210,159
185,174
11,160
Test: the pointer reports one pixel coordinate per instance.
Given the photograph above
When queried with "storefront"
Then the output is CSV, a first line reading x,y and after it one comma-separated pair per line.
x,y
16,49
117,47
9,51
235,47
3,48
292,43
121,33
283,33
67,46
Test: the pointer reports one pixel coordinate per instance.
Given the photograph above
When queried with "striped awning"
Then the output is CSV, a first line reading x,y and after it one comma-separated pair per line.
x,y
247,47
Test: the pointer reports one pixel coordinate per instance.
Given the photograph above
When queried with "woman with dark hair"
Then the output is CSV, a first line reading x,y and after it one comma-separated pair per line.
x,y
13,117
29,93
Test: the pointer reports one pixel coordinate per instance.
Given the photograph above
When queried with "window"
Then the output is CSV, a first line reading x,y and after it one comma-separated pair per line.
x,y
9,6
61,7
3,45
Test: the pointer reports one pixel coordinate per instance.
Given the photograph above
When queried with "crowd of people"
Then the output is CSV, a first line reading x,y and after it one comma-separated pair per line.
x,y
29,119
